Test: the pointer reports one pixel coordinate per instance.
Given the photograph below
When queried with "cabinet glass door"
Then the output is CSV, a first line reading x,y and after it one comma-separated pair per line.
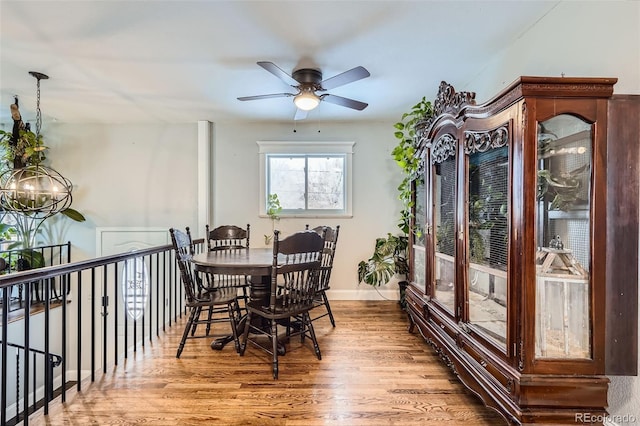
x,y
418,248
563,286
444,217
487,192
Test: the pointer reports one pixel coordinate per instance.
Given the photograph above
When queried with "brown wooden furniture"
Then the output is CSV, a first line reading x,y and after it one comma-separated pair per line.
x,y
296,262
253,262
225,237
524,235
196,300
228,237
329,252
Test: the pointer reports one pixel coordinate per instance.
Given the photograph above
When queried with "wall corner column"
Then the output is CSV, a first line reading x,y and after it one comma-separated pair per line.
x,y
205,175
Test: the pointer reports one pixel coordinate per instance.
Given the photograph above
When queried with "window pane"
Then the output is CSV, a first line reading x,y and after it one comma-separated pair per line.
x,y
286,178
326,183
310,179
319,186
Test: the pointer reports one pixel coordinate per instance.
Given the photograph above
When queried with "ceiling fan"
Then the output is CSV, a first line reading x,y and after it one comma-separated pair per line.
x,y
308,81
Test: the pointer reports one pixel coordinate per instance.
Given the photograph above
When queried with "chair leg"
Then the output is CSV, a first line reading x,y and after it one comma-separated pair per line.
x,y
233,309
326,304
306,318
237,305
187,327
245,334
209,317
196,317
274,344
245,299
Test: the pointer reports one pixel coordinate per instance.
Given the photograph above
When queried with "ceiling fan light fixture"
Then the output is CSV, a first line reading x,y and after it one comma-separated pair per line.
x,y
306,101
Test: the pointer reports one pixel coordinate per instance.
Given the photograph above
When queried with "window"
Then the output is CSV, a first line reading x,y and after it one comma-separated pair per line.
x,y
310,178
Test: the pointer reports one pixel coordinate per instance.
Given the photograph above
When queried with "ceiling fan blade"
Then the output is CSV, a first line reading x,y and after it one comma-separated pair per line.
x,y
273,95
275,70
346,102
353,74
300,114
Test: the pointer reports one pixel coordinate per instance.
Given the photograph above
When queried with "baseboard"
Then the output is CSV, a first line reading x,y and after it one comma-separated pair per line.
x,y
365,292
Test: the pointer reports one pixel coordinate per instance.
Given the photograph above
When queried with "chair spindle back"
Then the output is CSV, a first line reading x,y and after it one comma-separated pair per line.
x,y
297,258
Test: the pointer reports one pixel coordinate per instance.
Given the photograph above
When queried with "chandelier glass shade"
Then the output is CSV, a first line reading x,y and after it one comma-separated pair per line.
x,y
307,100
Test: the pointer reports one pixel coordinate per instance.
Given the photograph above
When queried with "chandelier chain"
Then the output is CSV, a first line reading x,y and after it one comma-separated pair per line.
x,y
38,113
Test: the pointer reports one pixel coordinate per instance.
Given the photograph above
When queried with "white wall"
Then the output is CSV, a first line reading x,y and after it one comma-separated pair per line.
x,y
124,175
375,205
577,39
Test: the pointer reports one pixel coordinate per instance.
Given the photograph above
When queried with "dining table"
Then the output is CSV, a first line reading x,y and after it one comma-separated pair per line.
x,y
253,262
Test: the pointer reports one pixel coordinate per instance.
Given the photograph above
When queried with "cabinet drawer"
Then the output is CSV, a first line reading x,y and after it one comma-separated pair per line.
x,y
491,366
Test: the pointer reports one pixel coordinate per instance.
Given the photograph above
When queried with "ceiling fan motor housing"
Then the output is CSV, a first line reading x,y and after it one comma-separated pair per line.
x,y
308,76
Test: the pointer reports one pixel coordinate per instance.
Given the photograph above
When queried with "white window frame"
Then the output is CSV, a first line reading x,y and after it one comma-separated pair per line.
x,y
310,148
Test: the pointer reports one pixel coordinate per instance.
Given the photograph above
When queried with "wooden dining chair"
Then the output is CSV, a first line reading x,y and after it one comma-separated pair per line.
x,y
229,237
328,254
296,263
226,237
219,300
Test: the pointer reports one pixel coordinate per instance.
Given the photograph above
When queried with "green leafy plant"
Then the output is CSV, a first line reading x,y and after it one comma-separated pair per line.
x,y
273,211
7,232
487,209
562,189
389,255
28,149
444,241
388,259
404,155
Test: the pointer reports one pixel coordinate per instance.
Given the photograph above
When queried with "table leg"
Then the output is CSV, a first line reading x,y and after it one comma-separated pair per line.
x,y
219,343
261,291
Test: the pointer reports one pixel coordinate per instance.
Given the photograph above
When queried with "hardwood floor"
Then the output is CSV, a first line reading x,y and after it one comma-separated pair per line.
x,y
372,372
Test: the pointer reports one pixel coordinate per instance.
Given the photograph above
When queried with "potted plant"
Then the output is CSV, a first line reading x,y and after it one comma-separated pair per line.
x,y
388,260
273,211
389,256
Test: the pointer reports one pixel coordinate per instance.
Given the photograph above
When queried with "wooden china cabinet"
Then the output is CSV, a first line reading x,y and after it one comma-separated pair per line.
x,y
524,237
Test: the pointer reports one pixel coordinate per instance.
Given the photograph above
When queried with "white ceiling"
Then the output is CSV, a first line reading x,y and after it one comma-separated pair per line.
x,y
183,61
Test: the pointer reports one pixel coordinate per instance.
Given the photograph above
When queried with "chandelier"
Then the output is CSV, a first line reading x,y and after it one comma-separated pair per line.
x,y
36,191
33,192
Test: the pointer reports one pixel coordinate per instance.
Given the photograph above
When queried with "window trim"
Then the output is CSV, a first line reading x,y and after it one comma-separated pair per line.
x,y
309,148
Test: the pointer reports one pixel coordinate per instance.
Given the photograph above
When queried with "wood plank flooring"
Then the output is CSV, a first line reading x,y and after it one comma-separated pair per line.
x,y
372,372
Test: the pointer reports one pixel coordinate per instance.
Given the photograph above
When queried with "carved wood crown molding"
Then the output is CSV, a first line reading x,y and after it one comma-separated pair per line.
x,y
450,101
443,148
484,141
447,101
